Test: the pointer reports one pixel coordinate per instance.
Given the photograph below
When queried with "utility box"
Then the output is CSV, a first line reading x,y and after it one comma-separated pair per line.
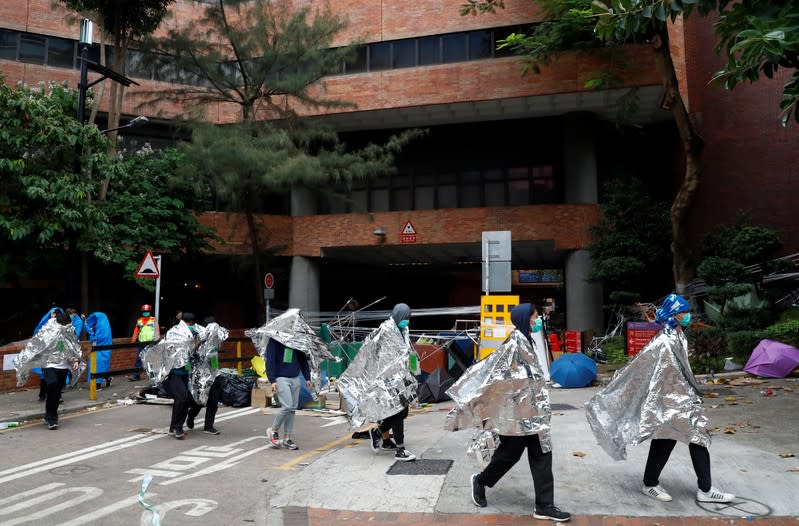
x,y
496,262
495,323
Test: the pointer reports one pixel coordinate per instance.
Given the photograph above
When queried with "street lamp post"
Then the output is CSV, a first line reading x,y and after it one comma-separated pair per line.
x,y
86,30
141,120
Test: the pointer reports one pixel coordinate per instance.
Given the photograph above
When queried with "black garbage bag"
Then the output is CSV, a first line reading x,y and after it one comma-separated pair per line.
x,y
435,386
236,390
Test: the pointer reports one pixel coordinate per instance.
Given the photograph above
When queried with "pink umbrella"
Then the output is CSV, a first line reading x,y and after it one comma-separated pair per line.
x,y
772,359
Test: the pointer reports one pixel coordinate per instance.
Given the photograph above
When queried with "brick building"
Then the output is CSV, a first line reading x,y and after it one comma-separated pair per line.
x,y
504,152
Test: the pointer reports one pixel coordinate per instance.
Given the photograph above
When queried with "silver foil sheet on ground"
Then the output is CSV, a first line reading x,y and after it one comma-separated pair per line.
x,y
170,352
291,329
505,393
654,396
55,345
378,383
202,374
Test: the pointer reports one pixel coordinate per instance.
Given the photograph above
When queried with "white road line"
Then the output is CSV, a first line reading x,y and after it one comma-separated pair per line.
x,y
69,455
93,516
84,493
77,458
244,412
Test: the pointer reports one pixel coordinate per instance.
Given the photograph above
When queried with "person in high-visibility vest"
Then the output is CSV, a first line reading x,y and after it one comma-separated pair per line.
x,y
145,332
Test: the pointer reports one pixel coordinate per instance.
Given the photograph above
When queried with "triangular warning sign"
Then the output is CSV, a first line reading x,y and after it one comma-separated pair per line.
x,y
148,268
408,228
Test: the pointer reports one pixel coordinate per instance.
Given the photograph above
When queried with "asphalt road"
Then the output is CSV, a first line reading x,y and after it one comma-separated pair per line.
x,y
90,470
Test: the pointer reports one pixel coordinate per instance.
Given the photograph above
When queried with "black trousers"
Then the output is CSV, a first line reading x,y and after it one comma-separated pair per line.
x,y
54,380
509,452
177,386
396,423
659,452
214,397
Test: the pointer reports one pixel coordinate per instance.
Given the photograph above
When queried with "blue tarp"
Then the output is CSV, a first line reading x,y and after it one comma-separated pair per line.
x,y
98,329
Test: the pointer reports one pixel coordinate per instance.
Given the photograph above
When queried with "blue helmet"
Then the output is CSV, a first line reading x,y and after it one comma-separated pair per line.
x,y
673,304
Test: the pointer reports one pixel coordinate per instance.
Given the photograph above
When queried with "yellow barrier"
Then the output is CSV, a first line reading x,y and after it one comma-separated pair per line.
x,y
92,382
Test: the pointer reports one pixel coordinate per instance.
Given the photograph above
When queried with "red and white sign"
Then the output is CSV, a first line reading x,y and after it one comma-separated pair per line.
x,y
269,280
408,233
148,267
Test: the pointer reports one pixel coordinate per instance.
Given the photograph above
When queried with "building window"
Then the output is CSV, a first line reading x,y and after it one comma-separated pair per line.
x,y
358,63
480,45
401,193
380,56
8,44
424,191
60,52
494,187
519,186
470,190
31,48
543,185
429,51
447,191
379,195
403,54
454,48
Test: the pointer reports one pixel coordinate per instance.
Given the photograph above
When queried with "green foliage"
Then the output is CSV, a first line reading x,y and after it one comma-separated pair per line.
x,y
629,241
613,348
739,294
267,54
785,332
130,18
741,343
709,346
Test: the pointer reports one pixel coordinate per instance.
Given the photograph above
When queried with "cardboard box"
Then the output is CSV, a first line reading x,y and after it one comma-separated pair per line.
x,y
320,403
261,398
263,383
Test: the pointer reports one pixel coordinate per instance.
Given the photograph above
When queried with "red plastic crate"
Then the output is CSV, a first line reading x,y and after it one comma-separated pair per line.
x,y
574,341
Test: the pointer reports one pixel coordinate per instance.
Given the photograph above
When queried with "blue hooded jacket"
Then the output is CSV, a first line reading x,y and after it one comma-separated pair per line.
x,y
99,329
520,316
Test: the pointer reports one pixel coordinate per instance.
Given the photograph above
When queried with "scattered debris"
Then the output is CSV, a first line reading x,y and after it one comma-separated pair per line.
x,y
730,398
730,430
794,469
768,391
578,454
787,454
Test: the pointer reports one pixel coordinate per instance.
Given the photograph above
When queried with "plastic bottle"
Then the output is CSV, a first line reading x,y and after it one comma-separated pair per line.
x,y
6,425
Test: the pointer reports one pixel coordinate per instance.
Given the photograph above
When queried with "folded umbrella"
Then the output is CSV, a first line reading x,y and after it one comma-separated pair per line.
x,y
772,359
573,370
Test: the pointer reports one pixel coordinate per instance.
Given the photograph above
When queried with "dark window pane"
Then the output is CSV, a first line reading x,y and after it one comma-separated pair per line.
x,y
480,45
359,201
495,194
493,175
8,45
543,185
401,199
379,56
454,48
380,200
358,62
470,177
31,49
60,52
429,51
520,172
137,66
470,196
447,196
423,198
93,54
404,54
447,178
519,192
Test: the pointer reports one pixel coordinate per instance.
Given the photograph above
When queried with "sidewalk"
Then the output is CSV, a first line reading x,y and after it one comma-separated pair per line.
x,y
352,485
24,406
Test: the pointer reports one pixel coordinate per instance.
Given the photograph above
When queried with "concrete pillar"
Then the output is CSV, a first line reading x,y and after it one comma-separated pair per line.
x,y
304,284
579,158
304,273
583,298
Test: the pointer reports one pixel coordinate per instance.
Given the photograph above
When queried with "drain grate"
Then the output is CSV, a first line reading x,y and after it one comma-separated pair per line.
x,y
562,407
427,466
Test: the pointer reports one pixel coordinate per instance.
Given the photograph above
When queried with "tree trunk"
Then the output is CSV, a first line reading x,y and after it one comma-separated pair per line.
x,y
682,264
256,257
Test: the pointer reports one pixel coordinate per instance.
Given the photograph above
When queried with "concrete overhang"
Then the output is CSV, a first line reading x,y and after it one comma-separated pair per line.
x,y
603,104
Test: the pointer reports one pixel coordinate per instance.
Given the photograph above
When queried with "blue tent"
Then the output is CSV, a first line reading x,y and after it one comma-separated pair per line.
x,y
99,330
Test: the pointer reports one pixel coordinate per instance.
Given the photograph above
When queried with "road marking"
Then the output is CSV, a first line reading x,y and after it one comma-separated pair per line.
x,y
88,518
288,466
86,493
334,420
242,412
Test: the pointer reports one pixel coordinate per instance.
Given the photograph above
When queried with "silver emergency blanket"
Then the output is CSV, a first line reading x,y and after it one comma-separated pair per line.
x,y
291,329
43,350
202,375
654,396
506,393
378,383
170,352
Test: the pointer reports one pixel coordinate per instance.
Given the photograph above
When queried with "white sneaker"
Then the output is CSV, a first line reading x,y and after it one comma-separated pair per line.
x,y
714,495
656,492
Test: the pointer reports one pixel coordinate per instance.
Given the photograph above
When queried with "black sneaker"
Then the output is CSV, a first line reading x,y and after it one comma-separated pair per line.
x,y
211,430
52,427
388,445
190,422
376,438
478,492
552,513
179,434
403,455
134,378
289,444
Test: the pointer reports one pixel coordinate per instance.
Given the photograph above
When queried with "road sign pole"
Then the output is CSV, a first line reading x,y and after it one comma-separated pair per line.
x,y
157,289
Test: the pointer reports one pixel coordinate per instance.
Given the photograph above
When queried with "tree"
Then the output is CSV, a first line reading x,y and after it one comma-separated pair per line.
x,y
627,244
124,22
48,203
621,21
268,58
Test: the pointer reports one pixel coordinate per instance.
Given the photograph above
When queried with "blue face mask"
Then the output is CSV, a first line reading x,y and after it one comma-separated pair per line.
x,y
686,320
403,324
538,325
